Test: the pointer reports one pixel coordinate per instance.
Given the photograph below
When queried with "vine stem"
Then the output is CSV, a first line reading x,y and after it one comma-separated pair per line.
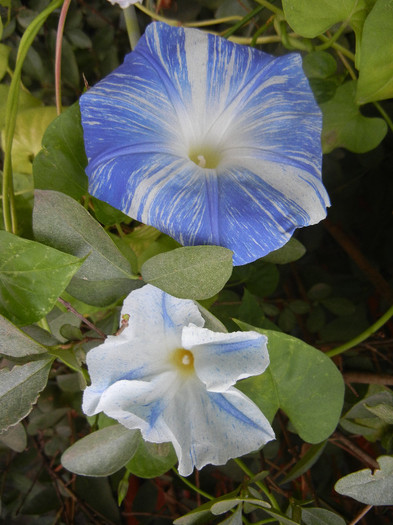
x,y
192,486
243,21
271,7
388,120
59,45
363,336
362,513
259,484
70,308
9,214
132,26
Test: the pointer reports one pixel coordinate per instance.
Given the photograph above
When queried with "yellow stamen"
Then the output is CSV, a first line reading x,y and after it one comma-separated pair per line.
x,y
183,360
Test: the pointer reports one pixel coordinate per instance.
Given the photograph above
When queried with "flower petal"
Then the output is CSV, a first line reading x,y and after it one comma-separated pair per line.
x,y
139,404
204,427
221,359
211,428
158,317
182,91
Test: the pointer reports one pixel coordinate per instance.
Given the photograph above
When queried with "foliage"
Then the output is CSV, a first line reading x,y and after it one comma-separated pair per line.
x,y
67,260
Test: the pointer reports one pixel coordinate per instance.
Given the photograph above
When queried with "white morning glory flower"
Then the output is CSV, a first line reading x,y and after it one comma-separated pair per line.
x,y
173,379
209,141
124,3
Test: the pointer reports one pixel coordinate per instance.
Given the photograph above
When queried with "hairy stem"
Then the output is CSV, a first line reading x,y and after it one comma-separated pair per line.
x,y
59,44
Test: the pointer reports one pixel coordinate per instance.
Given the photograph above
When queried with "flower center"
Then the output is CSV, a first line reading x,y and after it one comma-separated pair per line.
x,y
183,360
205,157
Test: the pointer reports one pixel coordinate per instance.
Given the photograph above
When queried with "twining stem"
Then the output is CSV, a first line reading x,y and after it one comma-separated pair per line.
x,y
192,486
9,214
271,7
330,41
259,484
338,47
214,21
132,25
261,30
243,21
59,44
363,336
156,16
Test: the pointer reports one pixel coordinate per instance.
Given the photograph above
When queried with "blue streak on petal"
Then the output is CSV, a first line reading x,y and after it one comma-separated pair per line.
x,y
228,407
236,346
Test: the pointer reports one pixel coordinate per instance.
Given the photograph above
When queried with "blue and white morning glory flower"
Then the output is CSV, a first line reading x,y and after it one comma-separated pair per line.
x,y
173,379
209,141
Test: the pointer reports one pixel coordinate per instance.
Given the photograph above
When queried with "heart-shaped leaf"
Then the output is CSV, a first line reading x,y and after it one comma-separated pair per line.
x,y
300,380
367,487
345,127
376,51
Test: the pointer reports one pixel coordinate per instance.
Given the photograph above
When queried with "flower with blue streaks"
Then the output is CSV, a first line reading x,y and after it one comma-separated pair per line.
x,y
170,377
209,141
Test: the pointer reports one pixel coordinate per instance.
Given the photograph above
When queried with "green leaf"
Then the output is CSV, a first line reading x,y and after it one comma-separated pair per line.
x,y
223,506
29,130
152,459
316,516
310,19
192,272
61,222
26,100
339,305
361,418
376,51
264,278
211,321
306,462
344,126
290,252
78,38
15,343
19,390
101,453
32,276
202,514
15,438
319,64
367,487
61,164
163,244
383,411
67,356
4,53
107,214
235,518
300,380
